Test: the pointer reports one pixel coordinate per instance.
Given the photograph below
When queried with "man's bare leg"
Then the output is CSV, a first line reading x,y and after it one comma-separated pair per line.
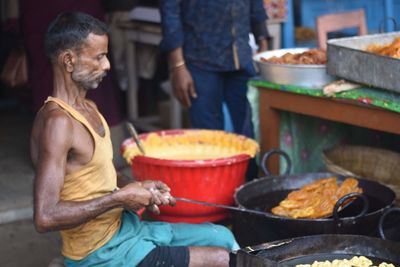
x,y
208,257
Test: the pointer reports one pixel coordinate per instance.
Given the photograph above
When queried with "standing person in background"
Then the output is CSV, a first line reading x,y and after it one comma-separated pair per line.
x,y
210,57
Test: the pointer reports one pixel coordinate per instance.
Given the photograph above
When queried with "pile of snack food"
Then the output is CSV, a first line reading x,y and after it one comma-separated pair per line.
x,y
353,262
309,57
194,145
317,199
390,50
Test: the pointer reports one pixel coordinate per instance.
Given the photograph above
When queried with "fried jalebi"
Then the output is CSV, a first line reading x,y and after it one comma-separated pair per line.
x,y
316,199
309,57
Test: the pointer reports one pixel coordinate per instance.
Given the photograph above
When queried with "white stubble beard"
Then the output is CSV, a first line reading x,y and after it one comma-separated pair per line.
x,y
83,78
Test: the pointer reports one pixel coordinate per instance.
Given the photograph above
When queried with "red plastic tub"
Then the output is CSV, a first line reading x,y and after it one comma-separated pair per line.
x,y
213,180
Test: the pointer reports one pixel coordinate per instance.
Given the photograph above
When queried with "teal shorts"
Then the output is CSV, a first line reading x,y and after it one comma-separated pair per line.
x,y
136,238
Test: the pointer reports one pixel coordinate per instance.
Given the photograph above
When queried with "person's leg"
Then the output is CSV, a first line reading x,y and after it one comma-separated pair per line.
x,y
166,257
209,257
206,234
206,109
186,257
208,245
235,96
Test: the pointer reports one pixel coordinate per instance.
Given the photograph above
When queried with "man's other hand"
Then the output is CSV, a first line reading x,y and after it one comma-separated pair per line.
x,y
262,45
183,85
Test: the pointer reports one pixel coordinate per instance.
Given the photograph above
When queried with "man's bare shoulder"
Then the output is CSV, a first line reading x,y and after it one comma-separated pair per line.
x,y
52,115
52,129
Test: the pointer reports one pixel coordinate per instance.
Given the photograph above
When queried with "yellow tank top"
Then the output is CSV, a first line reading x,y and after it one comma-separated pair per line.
x,y
95,179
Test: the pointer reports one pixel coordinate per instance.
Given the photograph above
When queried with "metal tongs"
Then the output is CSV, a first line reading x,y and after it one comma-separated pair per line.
x,y
135,136
222,206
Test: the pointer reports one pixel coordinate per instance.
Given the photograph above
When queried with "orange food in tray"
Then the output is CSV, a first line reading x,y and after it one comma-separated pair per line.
x,y
390,50
315,200
309,57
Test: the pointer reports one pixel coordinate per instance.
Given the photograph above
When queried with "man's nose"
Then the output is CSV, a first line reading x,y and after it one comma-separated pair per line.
x,y
106,64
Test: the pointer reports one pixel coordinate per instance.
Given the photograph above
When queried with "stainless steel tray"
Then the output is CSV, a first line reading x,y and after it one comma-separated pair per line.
x,y
309,76
348,59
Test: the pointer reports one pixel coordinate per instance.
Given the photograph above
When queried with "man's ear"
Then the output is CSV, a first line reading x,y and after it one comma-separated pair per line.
x,y
68,59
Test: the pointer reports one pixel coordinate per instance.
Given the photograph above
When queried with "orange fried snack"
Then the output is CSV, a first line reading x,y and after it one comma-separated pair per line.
x,y
315,200
309,57
390,50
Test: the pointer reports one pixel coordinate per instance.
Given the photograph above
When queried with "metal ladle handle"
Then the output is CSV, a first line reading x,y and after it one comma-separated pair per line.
x,y
135,136
222,206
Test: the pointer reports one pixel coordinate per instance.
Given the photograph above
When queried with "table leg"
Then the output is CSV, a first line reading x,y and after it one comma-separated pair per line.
x,y
175,113
269,127
132,93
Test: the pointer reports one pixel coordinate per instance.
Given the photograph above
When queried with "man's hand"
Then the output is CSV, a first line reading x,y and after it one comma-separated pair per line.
x,y
183,85
148,194
160,195
262,45
134,196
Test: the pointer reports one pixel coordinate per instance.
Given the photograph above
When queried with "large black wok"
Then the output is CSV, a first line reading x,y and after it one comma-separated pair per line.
x,y
306,250
265,193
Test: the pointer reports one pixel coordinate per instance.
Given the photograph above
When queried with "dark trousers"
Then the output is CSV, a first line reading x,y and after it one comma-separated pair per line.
x,y
213,89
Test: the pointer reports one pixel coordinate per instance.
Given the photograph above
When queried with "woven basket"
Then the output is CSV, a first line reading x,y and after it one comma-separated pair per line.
x,y
371,163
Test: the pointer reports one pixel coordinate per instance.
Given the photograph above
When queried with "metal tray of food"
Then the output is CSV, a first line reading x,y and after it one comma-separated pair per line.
x,y
309,76
348,59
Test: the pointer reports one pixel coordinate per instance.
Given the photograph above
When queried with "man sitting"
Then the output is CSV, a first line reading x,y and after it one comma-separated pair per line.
x,y
76,190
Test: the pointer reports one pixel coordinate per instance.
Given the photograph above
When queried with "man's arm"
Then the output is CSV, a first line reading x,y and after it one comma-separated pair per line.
x,y
171,25
259,28
172,43
181,79
51,213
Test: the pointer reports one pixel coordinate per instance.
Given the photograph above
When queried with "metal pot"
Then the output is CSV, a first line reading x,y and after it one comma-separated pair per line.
x,y
265,193
307,249
310,76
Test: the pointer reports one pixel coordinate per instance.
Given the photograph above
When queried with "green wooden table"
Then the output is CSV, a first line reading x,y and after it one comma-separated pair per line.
x,y
312,122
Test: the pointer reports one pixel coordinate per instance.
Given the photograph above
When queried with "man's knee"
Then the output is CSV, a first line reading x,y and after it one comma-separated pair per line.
x,y
209,256
223,237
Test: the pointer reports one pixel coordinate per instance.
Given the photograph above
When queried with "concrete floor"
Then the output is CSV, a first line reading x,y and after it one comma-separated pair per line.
x,y
16,172
20,244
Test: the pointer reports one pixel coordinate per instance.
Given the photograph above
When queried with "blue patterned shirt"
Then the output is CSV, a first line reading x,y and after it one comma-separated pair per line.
x,y
214,34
